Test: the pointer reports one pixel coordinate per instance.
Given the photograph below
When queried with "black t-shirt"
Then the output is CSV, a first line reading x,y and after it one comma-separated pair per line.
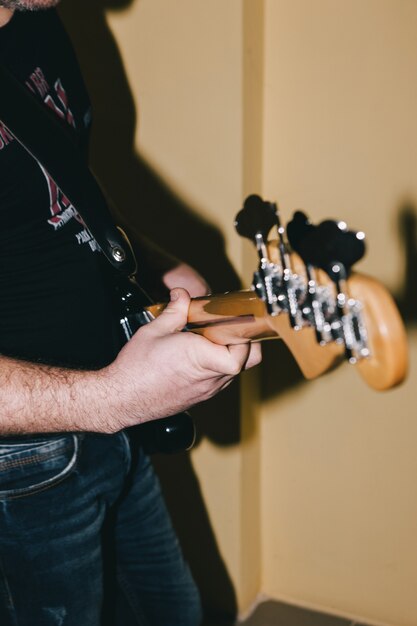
x,y
54,298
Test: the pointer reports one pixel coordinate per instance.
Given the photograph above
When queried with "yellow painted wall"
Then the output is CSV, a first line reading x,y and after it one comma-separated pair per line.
x,y
339,462
176,80
312,104
184,63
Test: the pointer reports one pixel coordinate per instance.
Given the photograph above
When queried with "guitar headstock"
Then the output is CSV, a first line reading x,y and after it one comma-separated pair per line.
x,y
305,272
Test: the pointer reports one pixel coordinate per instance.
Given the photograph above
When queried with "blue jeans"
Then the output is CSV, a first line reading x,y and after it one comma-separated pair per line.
x,y
85,538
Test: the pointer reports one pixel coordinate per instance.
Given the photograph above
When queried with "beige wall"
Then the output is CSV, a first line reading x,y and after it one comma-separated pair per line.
x,y
312,104
188,74
339,463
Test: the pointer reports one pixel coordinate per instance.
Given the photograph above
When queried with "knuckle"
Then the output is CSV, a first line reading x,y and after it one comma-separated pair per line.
x,y
235,367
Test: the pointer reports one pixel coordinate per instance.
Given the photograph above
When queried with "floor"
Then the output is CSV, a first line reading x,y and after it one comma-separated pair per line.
x,y
271,613
278,614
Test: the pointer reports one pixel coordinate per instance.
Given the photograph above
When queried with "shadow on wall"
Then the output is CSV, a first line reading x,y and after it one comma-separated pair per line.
x,y
148,204
407,226
152,208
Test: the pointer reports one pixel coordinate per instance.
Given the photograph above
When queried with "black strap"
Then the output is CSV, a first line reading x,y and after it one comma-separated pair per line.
x,y
43,135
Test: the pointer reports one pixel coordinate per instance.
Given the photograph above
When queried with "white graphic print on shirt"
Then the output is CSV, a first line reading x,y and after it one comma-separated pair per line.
x,y
61,209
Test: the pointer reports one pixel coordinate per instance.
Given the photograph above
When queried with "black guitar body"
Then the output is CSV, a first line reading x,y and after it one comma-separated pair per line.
x,y
170,434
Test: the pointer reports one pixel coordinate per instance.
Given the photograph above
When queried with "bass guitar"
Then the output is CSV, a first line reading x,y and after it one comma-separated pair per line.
x,y
304,292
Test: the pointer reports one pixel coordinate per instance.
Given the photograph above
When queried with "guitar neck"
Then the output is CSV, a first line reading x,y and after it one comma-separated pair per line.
x,y
357,320
230,318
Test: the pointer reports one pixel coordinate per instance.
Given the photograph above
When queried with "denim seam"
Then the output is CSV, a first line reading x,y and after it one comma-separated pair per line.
x,y
27,444
130,597
7,594
33,459
48,484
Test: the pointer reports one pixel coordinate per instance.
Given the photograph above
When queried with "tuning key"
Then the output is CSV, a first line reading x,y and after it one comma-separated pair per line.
x,y
347,246
256,218
255,222
298,229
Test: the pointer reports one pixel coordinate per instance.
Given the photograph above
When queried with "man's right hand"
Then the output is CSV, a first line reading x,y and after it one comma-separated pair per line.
x,y
159,372
162,371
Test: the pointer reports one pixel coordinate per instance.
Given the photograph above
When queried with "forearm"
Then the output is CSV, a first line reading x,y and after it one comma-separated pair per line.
x,y
39,398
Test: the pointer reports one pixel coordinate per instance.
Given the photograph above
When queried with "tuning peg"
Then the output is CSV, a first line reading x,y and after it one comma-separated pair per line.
x,y
256,218
298,229
323,244
346,246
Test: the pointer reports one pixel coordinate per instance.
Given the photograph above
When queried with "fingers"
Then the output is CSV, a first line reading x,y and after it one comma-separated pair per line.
x,y
174,316
244,356
238,355
199,352
254,357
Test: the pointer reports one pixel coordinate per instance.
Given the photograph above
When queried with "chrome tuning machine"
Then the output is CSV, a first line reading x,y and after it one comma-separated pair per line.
x,y
273,283
255,221
333,248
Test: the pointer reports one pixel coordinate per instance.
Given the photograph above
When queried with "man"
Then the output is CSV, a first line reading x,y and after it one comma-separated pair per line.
x,y
82,522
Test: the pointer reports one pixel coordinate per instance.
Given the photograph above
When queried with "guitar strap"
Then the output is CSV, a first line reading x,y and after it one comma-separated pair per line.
x,y
45,137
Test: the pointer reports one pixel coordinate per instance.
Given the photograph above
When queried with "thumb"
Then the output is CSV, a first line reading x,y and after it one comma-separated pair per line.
x,y
174,316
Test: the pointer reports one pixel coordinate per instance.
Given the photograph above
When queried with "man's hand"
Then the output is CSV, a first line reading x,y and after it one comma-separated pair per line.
x,y
162,370
159,372
183,275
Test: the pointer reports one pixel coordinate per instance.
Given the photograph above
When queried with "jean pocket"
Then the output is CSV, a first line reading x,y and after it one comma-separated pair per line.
x,y
32,466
